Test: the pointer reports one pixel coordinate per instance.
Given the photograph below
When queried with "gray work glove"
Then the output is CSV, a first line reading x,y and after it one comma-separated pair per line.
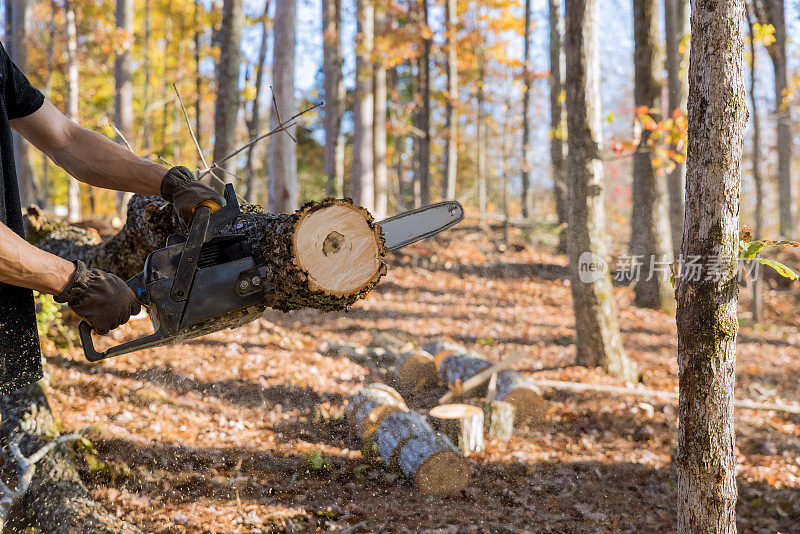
x,y
103,299
180,187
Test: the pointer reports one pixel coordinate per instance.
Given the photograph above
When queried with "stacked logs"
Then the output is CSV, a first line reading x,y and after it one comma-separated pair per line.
x,y
405,441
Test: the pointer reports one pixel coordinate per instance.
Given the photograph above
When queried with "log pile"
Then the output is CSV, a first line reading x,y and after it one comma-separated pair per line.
x,y
406,441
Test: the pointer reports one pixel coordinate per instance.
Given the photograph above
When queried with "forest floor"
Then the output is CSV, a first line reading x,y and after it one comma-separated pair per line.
x,y
243,431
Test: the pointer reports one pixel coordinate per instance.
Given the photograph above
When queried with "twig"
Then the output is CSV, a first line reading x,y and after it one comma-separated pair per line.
x,y
164,161
191,131
671,395
124,140
278,114
26,466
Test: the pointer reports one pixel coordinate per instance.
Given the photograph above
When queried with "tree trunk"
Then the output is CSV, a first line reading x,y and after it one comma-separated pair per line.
x,y
48,89
398,139
557,120
527,100
424,170
198,82
756,284
227,104
334,96
57,502
451,111
676,26
363,180
707,320
650,232
146,122
380,171
73,189
774,12
123,95
18,18
254,122
598,339
480,130
282,155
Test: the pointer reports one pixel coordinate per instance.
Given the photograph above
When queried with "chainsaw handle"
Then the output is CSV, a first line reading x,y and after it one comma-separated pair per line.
x,y
85,331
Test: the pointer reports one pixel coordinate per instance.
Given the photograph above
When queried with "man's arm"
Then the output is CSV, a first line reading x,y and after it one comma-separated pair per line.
x,y
88,156
22,264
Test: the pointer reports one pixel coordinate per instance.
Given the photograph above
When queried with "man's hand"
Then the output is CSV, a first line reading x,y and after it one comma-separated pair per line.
x,y
180,187
102,298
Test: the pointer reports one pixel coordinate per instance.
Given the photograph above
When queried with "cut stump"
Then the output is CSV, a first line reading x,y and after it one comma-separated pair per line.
x,y
462,424
416,370
517,390
498,418
434,464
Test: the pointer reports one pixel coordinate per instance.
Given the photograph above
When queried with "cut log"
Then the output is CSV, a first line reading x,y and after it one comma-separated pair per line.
x,y
455,369
462,424
517,390
416,370
498,418
368,407
395,430
326,255
441,349
434,464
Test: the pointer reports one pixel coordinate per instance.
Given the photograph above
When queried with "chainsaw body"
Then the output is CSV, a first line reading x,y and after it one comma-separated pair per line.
x,y
230,286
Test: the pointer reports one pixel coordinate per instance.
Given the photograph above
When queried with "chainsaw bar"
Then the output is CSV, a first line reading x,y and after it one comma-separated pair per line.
x,y
412,226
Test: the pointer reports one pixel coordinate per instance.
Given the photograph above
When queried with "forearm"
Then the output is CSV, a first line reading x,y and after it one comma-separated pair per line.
x,y
22,264
94,159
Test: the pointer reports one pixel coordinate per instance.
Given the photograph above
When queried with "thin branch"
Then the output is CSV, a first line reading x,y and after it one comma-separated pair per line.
x,y
121,136
191,131
278,114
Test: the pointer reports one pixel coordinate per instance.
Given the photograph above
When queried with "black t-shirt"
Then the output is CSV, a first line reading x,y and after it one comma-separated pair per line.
x,y
20,357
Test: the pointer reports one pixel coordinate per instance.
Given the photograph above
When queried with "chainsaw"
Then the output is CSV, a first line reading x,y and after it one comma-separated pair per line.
x,y
204,282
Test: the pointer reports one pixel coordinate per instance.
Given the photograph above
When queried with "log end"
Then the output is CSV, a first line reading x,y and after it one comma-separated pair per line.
x,y
443,473
528,404
339,248
416,371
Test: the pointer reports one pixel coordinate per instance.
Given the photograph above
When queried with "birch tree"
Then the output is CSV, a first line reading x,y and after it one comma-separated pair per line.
x,y
707,319
227,103
282,155
598,339
676,29
380,171
363,179
334,96
527,99
650,232
73,189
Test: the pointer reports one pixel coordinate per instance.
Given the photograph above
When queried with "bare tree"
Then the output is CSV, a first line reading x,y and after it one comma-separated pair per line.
x,y
73,189
598,339
451,111
756,284
282,155
380,171
334,96
650,232
18,22
254,121
123,94
227,104
198,81
557,146
424,166
707,320
480,131
363,180
773,12
676,28
527,99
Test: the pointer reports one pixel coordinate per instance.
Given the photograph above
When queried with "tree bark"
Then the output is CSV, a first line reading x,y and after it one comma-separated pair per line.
x,y
650,231
282,155
598,339
227,104
123,94
380,171
18,18
527,100
773,12
556,119
451,111
707,320
756,284
73,189
254,122
424,169
334,96
363,180
198,82
676,28
480,131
